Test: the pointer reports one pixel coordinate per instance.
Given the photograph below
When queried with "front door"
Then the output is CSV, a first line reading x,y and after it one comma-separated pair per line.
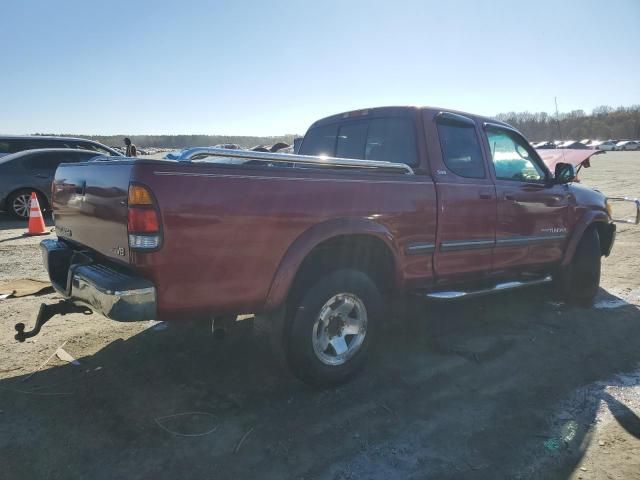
x,y
532,211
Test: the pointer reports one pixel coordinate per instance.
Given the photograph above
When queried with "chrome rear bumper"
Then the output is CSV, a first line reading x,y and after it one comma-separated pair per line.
x,y
114,293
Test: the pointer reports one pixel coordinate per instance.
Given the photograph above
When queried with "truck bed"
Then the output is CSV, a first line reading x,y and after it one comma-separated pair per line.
x,y
227,228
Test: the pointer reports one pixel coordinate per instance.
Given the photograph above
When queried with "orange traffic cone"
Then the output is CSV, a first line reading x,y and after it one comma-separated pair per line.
x,y
36,222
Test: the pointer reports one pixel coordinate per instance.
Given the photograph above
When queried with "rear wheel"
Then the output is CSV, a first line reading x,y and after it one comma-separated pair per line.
x,y
18,204
579,282
330,328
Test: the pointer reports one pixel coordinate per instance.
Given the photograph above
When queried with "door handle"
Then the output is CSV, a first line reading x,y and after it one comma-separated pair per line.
x,y
510,196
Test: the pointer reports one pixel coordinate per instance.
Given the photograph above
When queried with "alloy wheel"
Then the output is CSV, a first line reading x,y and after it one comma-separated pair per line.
x,y
340,329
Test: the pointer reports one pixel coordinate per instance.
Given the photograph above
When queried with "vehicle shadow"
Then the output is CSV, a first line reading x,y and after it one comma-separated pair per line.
x,y
451,391
7,222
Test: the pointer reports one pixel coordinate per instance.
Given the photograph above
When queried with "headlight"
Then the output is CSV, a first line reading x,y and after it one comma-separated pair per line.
x,y
607,205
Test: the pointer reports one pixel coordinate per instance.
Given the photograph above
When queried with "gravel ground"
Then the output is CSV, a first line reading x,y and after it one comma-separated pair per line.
x,y
511,386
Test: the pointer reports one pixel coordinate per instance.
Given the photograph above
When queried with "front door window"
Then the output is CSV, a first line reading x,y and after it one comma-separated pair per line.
x,y
512,158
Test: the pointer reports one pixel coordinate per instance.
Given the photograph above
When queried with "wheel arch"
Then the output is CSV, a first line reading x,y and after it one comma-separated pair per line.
x,y
596,219
343,234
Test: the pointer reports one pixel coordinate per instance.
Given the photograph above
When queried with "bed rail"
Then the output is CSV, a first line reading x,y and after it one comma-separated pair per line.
x,y
200,153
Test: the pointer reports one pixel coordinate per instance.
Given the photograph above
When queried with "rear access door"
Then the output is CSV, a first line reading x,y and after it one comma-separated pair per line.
x,y
466,198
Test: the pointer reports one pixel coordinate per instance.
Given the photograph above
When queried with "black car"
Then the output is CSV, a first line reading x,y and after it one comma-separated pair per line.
x,y
15,144
32,171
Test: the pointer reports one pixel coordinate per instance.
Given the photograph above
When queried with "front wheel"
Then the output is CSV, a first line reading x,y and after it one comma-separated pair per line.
x,y
330,329
579,282
18,203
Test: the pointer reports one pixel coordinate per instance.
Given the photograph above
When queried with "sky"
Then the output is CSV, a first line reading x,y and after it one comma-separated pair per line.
x,y
273,67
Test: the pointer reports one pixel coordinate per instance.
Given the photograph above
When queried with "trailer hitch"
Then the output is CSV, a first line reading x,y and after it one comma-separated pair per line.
x,y
46,313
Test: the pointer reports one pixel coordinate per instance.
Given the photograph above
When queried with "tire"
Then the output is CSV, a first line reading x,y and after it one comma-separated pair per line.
x,y
579,282
18,203
320,351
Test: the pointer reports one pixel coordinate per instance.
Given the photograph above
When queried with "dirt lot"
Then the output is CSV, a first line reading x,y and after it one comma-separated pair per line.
x,y
510,386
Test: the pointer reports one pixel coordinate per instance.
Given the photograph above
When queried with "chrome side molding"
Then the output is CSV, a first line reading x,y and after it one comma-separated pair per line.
x,y
500,287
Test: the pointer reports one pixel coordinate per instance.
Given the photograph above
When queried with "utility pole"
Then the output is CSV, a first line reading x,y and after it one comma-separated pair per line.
x,y
555,99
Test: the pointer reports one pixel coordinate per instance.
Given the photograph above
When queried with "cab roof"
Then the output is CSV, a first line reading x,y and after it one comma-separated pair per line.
x,y
392,111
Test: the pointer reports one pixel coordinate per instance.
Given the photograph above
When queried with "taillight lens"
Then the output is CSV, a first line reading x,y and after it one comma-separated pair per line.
x,y
139,195
143,222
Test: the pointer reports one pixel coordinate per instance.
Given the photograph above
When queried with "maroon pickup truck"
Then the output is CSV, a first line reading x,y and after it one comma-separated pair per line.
x,y
377,202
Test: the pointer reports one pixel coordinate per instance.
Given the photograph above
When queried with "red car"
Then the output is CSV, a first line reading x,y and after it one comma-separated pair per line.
x,y
378,202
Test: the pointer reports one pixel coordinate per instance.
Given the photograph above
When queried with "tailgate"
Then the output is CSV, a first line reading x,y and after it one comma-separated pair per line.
x,y
90,206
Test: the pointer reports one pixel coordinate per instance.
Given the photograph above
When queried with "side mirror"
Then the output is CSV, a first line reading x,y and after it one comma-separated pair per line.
x,y
564,173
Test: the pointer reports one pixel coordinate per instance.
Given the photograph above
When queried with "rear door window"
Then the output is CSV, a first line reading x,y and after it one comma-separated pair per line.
x,y
44,161
19,145
461,150
74,157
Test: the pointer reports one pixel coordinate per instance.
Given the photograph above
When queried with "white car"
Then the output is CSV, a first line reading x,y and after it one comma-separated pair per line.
x,y
608,145
628,145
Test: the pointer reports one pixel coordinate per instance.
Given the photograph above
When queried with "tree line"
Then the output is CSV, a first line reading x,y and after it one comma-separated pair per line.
x,y
602,123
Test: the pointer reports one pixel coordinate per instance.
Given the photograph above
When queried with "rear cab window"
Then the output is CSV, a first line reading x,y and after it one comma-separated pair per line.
x,y
352,138
390,139
320,141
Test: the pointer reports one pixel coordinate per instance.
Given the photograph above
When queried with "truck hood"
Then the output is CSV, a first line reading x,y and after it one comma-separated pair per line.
x,y
575,157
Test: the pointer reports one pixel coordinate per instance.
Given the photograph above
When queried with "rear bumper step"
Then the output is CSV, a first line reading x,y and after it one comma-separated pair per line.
x,y
500,287
115,294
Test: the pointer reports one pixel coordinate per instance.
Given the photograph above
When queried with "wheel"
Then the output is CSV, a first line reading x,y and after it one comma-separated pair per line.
x,y
331,327
579,282
18,203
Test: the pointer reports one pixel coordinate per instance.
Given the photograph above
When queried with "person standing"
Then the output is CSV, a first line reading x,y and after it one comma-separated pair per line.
x,y
131,150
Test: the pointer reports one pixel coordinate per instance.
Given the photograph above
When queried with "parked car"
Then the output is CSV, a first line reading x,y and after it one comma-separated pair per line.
x,y
628,145
32,171
380,203
572,144
594,144
608,145
545,145
14,144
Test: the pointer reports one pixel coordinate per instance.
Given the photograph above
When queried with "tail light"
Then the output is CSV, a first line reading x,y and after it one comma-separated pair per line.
x,y
143,221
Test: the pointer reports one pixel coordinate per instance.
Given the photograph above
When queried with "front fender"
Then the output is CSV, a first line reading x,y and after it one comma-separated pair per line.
x,y
314,236
589,218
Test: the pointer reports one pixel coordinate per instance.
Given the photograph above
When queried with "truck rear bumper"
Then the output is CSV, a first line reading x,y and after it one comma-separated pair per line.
x,y
116,294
